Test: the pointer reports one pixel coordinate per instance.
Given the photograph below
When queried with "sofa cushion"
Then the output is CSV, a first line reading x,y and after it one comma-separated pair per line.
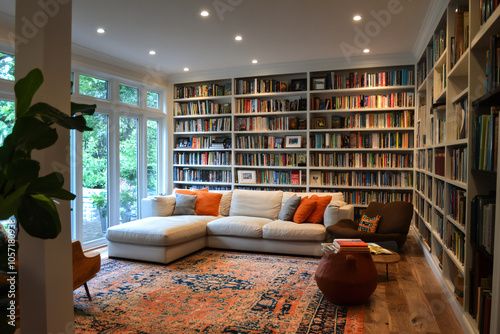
x,y
207,204
286,230
225,202
336,197
289,208
162,206
322,202
160,231
184,204
238,226
264,204
368,224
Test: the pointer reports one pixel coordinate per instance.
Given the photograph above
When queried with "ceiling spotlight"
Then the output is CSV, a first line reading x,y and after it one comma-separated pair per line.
x,y
152,52
238,38
366,50
186,69
204,13
101,30
356,18
255,61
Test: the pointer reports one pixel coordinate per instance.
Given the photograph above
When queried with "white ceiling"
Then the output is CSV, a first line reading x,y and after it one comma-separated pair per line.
x,y
274,31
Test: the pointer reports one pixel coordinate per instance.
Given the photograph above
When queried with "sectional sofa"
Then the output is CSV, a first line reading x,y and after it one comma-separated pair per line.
x,y
245,220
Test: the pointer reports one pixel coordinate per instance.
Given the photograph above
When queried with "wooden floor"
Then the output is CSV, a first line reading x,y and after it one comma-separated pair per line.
x,y
411,301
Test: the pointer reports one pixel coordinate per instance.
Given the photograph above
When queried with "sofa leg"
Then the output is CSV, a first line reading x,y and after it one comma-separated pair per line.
x,y
87,290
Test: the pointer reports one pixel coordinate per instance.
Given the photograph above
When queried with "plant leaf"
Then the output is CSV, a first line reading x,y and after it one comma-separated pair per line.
x,y
10,204
25,89
30,133
22,171
84,109
51,186
48,112
38,215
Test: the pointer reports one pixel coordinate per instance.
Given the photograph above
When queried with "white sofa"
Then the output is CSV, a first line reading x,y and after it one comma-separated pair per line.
x,y
247,221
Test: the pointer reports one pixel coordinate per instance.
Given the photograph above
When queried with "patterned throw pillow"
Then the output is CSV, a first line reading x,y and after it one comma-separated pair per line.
x,y
368,224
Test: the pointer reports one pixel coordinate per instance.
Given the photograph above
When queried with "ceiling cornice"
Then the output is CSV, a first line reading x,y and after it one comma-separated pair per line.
x,y
364,61
431,20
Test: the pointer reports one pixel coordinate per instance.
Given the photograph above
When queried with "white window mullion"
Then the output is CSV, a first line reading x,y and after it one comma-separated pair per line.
x,y
77,186
114,168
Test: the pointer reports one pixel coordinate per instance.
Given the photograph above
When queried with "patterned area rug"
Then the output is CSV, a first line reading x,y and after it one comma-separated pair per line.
x,y
212,291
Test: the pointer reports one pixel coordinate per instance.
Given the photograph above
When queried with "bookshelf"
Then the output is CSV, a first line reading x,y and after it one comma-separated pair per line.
x,y
455,147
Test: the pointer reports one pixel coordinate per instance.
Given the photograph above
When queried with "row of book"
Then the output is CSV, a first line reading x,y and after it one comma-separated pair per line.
x,y
438,44
493,64
487,7
395,119
201,175
278,177
439,196
364,197
257,86
454,240
400,77
429,186
393,100
462,114
439,85
361,179
184,92
420,182
270,160
459,164
353,246
292,188
203,125
258,142
362,140
483,221
203,142
460,41
486,140
457,203
243,106
357,160
196,186
265,123
196,108
203,158
424,159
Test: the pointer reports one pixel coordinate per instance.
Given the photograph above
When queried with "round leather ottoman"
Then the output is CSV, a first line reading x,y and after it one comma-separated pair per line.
x,y
346,278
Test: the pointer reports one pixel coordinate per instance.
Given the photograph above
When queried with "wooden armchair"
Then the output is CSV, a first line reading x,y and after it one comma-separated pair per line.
x,y
85,266
393,226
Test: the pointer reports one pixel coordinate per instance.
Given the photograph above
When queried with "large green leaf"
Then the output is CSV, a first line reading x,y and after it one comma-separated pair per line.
x,y
22,171
51,186
38,216
30,133
84,109
25,89
9,205
51,114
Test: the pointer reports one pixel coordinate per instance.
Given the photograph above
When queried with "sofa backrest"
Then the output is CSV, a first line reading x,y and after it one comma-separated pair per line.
x,y
337,198
254,203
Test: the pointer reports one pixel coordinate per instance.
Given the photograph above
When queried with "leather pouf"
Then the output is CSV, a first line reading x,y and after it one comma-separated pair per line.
x,y
346,278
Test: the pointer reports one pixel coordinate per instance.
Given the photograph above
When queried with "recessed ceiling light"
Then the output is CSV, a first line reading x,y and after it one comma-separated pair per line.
x,y
186,69
238,38
366,50
356,18
152,52
255,61
204,13
101,30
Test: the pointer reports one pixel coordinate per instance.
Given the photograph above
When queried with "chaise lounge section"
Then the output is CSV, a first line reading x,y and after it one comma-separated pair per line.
x,y
245,220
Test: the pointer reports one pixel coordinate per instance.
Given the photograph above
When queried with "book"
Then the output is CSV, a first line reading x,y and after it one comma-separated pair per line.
x,y
315,178
350,243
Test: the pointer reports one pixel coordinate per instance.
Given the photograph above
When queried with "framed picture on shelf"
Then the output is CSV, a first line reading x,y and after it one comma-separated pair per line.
x,y
318,83
247,176
278,143
320,123
298,84
315,178
302,124
182,143
302,159
293,141
293,123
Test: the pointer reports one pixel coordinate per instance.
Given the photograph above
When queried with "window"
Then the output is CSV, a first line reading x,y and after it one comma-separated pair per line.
x,y
128,168
7,118
153,100
7,67
94,87
95,178
129,95
152,154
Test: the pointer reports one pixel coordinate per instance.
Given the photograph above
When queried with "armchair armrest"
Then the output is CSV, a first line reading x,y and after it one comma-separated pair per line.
x,y
334,213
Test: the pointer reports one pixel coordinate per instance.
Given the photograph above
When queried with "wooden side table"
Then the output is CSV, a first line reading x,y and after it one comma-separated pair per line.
x,y
386,258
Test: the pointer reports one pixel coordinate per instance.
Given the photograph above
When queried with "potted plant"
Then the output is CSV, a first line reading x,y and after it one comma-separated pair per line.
x,y
128,200
100,202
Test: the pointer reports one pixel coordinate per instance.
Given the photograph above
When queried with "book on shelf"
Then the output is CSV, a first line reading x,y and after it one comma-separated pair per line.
x,y
439,160
315,178
487,7
483,221
486,140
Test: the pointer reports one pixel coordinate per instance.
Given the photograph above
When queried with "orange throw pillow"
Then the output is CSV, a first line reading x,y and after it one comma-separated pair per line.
x,y
306,207
316,216
207,204
190,192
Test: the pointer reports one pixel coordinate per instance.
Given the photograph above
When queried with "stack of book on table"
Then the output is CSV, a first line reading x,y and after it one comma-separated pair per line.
x,y
346,245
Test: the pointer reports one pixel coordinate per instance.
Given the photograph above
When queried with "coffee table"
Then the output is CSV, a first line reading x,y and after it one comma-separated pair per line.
x,y
386,258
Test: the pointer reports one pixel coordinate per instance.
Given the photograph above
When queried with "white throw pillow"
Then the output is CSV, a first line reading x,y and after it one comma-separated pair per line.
x,y
253,203
163,206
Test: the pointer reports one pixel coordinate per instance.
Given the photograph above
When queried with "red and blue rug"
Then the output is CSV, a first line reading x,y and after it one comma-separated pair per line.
x,y
212,291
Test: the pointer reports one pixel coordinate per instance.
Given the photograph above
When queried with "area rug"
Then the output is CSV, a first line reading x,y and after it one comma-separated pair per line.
x,y
212,291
